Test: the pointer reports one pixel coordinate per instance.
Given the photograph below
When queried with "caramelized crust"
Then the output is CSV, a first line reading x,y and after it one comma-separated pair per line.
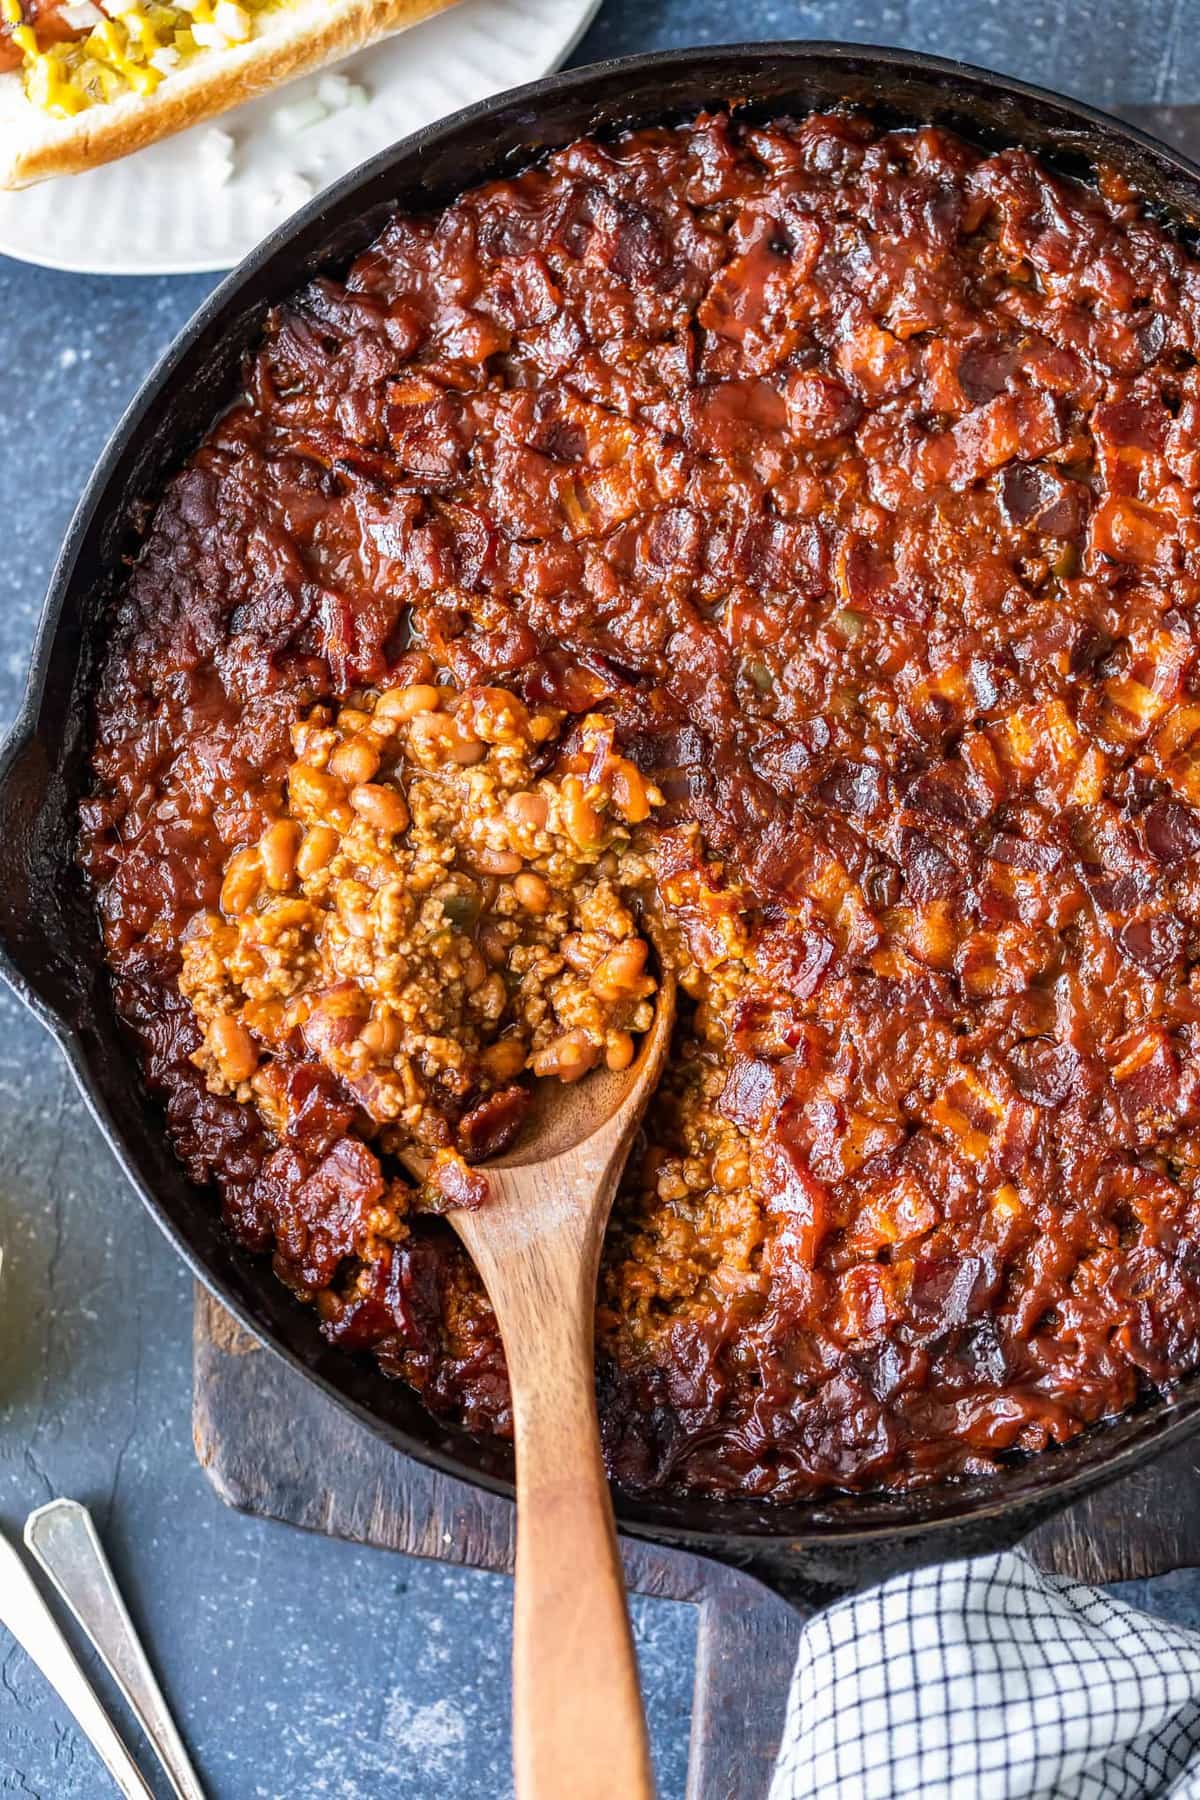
x,y
853,477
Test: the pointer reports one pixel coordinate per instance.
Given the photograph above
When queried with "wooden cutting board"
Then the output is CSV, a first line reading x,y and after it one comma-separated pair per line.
x,y
273,1446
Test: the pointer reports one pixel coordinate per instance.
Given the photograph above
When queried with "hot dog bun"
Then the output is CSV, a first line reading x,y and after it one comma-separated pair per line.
x,y
294,41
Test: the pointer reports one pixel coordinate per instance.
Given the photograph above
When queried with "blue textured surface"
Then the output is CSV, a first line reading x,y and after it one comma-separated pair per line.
x,y
301,1667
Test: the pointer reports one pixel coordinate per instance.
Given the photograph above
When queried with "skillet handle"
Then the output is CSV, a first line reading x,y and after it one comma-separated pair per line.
x,y
39,885
751,1617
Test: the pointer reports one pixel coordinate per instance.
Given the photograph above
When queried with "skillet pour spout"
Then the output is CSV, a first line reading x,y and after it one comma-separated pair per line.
x,y
50,942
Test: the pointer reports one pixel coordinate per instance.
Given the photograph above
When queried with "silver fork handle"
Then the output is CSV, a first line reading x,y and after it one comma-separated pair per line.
x,y
31,1622
64,1540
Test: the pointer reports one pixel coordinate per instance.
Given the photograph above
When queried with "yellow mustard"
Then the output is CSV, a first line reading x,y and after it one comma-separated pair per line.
x,y
130,52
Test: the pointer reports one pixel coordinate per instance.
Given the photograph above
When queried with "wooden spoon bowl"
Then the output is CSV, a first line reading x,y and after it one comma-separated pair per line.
x,y
579,1728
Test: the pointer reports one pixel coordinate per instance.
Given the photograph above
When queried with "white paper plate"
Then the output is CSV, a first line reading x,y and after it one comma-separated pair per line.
x,y
156,214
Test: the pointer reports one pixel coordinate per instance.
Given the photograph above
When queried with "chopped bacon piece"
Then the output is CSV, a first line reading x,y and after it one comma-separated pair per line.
x,y
1130,532
875,361
1011,426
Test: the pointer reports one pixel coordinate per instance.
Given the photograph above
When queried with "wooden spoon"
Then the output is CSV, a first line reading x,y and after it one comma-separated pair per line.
x,y
579,1729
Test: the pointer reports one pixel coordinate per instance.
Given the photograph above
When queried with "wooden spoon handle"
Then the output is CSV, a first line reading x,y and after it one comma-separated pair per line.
x,y
579,1728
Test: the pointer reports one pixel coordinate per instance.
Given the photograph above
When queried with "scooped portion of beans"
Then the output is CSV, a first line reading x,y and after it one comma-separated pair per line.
x,y
446,904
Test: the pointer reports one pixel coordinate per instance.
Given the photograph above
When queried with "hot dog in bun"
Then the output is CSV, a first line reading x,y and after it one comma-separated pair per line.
x,y
85,81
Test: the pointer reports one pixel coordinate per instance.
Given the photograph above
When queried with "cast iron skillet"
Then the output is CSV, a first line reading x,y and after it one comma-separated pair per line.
x,y
49,944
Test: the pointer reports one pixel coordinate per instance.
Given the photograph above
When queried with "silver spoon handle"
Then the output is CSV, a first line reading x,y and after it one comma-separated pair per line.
x,y
31,1622
63,1539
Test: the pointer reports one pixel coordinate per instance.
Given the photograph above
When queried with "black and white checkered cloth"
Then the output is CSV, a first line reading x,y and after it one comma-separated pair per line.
x,y
987,1680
